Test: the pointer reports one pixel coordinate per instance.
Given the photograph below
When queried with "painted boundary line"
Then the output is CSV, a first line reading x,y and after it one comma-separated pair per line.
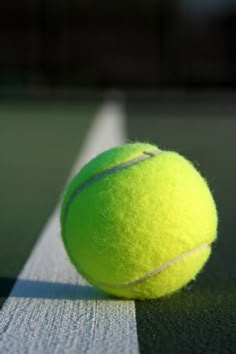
x,y
51,309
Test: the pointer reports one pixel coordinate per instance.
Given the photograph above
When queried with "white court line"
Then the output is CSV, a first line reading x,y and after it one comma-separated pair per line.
x,y
51,309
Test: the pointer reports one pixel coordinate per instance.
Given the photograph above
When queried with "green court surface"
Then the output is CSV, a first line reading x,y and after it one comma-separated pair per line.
x,y
38,145
39,142
202,317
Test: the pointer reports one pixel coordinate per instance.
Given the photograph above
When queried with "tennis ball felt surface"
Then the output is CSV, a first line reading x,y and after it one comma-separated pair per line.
x,y
138,222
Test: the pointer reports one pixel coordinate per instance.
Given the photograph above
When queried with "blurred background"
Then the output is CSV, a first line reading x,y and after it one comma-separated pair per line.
x,y
174,64
164,44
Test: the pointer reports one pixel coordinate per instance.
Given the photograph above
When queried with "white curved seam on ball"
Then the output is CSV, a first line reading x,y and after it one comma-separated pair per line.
x,y
154,272
145,155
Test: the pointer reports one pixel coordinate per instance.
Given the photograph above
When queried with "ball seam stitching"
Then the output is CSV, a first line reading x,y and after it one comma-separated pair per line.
x,y
121,166
151,273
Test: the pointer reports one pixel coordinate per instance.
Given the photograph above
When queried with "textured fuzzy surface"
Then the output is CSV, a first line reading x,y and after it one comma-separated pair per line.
x,y
136,219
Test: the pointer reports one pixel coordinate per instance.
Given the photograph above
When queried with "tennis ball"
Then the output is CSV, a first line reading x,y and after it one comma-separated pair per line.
x,y
138,222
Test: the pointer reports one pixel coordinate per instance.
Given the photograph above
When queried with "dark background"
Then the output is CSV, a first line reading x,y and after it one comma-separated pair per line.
x,y
174,61
129,44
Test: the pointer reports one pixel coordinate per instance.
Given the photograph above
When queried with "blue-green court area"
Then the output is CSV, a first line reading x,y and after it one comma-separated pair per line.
x,y
39,142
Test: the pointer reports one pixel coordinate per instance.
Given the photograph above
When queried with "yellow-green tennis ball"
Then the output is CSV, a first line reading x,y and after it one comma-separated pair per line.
x,y
138,222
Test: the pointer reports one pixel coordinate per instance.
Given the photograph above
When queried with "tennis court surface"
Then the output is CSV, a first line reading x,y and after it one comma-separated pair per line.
x,y
46,306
